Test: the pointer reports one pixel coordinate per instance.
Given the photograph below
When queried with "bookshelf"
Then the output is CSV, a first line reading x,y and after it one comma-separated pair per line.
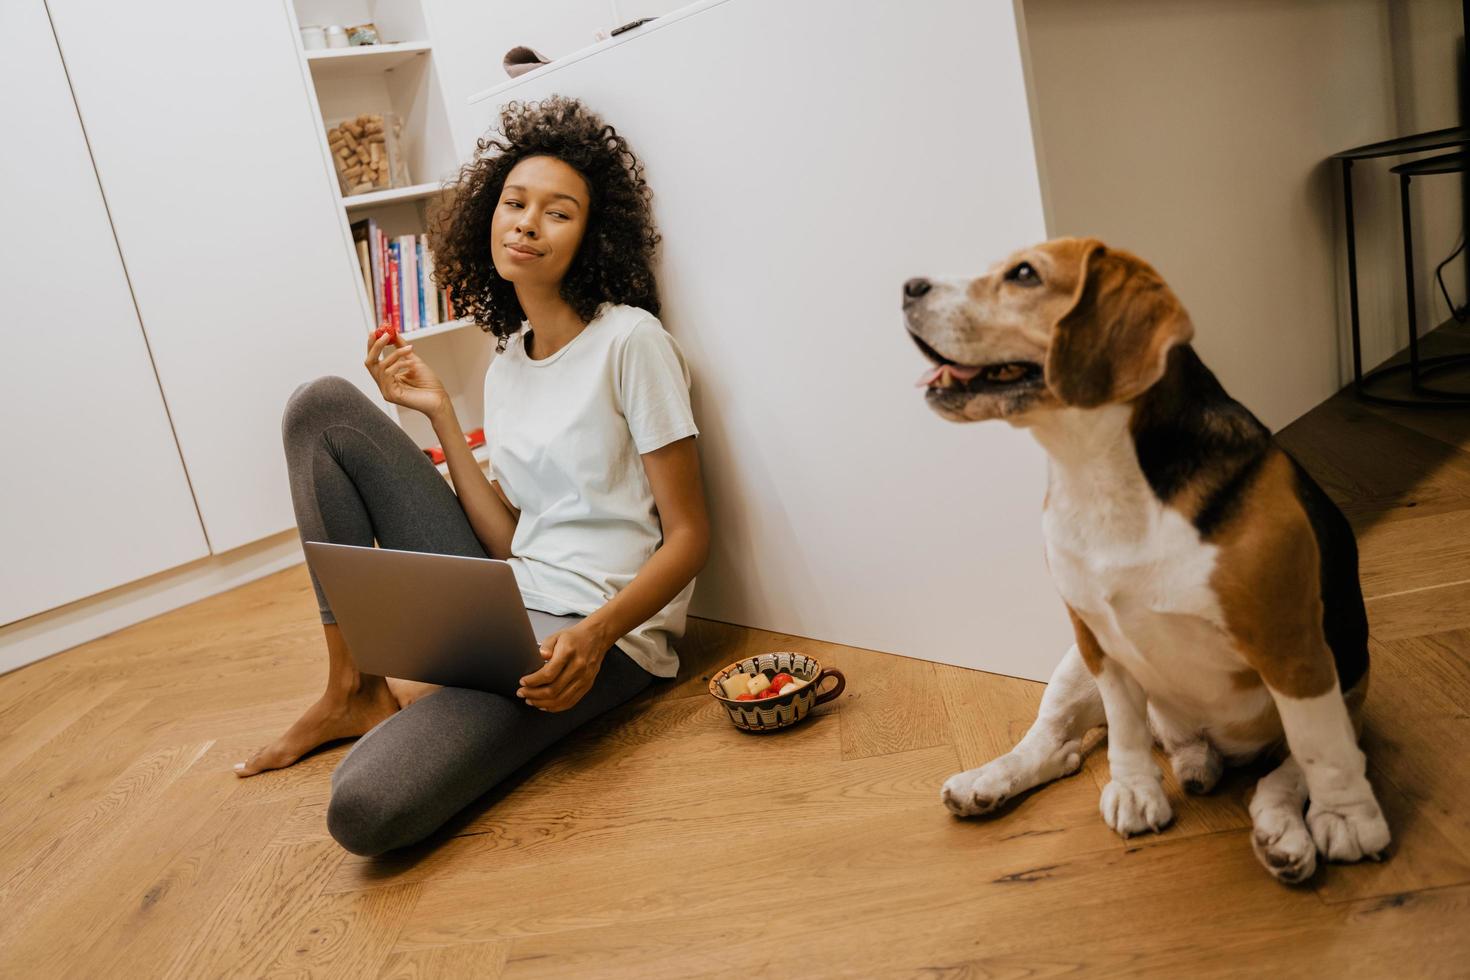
x,y
367,59
397,77
414,192
438,328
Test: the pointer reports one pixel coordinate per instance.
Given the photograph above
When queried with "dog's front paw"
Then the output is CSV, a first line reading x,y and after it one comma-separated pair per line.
x,y
1349,832
977,792
1283,846
1135,806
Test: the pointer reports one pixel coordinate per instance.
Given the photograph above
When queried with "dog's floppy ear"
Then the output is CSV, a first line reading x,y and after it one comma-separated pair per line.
x,y
1114,342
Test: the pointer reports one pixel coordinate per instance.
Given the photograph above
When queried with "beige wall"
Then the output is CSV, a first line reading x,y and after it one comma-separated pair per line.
x,y
1424,38
1195,133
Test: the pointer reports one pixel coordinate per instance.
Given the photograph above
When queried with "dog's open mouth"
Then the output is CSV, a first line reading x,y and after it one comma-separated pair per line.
x,y
948,375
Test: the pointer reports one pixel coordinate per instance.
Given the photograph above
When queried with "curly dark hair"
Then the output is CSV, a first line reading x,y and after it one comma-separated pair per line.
x,y
614,262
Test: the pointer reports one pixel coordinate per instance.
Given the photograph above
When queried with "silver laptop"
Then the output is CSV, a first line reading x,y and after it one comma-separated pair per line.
x,y
443,619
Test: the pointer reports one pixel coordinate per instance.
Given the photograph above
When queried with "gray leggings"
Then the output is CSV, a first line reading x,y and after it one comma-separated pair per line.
x,y
357,477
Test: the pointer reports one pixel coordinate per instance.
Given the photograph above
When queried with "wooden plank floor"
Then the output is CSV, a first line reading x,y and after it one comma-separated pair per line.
x,y
129,849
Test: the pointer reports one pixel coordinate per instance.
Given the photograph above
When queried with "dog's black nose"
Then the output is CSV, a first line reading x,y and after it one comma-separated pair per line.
x,y
915,288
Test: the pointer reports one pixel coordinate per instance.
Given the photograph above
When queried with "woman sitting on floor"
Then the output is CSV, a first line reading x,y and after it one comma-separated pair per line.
x,y
596,500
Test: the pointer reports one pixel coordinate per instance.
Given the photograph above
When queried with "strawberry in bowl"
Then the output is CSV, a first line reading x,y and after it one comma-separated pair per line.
x,y
773,690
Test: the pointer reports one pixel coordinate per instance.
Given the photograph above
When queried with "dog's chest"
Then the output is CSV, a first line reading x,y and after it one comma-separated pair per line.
x,y
1138,574
1130,558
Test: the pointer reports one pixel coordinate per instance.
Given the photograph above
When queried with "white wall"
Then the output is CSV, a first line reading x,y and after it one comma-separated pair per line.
x,y
471,39
805,162
829,483
1196,134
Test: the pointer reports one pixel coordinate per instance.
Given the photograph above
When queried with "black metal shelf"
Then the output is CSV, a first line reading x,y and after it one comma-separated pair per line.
x,y
1418,368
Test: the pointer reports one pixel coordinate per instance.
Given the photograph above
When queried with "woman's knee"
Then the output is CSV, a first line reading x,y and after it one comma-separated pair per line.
x,y
366,821
315,401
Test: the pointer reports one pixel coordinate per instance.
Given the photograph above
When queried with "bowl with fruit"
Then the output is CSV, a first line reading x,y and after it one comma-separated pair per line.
x,y
773,690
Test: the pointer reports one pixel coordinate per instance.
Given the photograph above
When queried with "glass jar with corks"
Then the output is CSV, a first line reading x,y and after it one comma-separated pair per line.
x,y
367,153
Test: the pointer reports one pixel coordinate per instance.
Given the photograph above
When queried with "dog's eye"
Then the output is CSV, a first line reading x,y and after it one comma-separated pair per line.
x,y
1023,274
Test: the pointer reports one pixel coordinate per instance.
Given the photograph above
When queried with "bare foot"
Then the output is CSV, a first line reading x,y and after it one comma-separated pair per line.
x,y
333,716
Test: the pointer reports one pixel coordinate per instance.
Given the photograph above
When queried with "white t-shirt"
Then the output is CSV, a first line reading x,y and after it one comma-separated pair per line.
x,y
565,436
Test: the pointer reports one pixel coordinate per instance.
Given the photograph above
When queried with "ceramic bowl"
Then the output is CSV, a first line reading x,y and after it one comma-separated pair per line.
x,y
783,710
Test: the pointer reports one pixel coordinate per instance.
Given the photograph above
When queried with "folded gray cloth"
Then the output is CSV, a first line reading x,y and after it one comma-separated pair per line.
x,y
521,59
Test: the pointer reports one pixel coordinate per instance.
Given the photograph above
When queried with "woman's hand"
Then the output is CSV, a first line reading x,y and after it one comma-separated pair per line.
x,y
403,378
573,657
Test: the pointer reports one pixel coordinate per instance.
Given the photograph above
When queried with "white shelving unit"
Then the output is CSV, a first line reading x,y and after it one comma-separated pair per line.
x,y
397,76
436,329
363,60
393,195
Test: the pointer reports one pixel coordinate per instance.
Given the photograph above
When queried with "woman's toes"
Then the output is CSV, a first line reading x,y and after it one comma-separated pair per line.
x,y
325,721
262,760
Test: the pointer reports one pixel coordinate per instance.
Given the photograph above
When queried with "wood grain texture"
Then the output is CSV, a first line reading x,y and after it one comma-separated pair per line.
x,y
1400,615
661,842
251,927
481,960
348,935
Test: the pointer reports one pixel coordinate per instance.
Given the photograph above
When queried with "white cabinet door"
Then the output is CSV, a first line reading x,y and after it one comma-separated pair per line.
x,y
95,494
843,507
201,127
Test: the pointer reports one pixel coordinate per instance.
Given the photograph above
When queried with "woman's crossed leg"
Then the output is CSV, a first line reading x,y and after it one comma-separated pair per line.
x,y
356,478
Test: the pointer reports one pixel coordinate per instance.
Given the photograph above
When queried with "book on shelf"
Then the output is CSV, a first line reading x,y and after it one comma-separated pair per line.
x,y
409,276
433,305
418,259
369,241
398,274
393,312
383,312
360,241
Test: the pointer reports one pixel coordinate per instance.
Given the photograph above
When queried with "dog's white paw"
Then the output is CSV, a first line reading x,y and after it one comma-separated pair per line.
x,y
1283,845
976,792
1135,806
1349,832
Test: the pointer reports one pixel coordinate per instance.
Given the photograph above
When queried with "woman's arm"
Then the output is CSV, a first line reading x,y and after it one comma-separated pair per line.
x,y
575,654
491,516
678,493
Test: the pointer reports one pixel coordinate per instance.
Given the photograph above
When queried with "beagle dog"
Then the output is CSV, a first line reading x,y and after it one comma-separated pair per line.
x,y
1212,585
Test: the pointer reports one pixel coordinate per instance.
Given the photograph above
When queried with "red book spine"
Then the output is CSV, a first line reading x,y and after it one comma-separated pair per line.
x,y
394,295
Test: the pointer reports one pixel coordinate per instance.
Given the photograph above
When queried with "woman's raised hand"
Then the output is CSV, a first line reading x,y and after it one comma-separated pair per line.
x,y
402,377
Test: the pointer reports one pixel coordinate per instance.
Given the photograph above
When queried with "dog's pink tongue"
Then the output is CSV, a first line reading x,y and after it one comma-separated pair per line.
x,y
959,371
